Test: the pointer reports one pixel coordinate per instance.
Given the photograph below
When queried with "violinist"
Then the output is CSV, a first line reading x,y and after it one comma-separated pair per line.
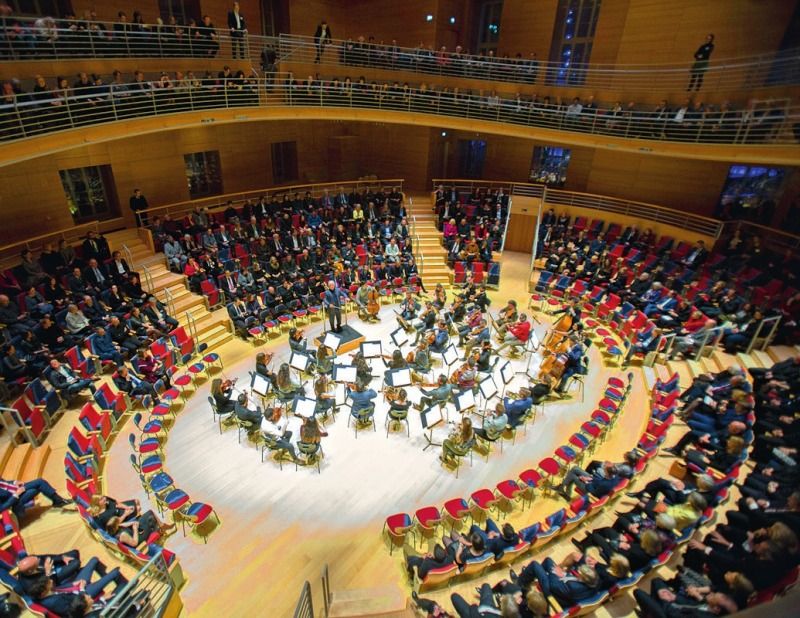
x,y
441,337
438,395
465,375
458,310
439,297
419,360
517,409
263,359
363,370
494,424
479,298
484,363
517,333
480,333
297,341
459,443
221,393
576,362
324,358
408,308
425,321
472,321
396,360
507,315
325,400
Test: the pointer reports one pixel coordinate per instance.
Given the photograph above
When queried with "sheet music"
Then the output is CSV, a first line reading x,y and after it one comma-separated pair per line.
x,y
305,407
414,396
371,349
431,417
535,343
465,399
344,373
339,393
332,341
298,361
450,355
400,377
260,384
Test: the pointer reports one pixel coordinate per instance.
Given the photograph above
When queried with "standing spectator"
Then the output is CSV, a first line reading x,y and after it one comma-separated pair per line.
x,y
138,203
322,37
238,32
700,66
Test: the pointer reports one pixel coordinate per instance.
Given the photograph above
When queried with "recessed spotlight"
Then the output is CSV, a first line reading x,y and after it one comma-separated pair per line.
x,y
452,20
429,17
444,133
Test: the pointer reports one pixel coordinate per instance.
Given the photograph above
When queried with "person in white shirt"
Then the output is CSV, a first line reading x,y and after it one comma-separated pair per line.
x,y
276,427
76,322
392,251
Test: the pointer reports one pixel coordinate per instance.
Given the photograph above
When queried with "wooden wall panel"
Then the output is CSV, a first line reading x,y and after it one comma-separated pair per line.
x,y
610,29
391,151
693,186
521,230
659,32
527,26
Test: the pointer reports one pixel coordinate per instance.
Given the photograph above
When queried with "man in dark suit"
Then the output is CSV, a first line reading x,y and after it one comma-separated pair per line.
x,y
96,275
238,32
332,302
138,203
62,569
599,484
157,314
78,602
132,385
322,37
15,495
91,247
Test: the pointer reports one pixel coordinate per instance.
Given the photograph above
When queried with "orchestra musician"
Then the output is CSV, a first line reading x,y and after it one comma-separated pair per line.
x,y
297,341
576,362
516,333
286,385
484,363
368,302
324,359
472,321
458,310
419,360
263,359
494,424
441,337
325,400
440,394
247,412
221,393
459,443
363,370
478,334
276,426
408,311
439,297
506,316
425,321
465,375
517,409
396,360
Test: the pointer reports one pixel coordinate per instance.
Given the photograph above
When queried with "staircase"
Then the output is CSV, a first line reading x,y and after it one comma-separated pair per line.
x,y
212,326
431,256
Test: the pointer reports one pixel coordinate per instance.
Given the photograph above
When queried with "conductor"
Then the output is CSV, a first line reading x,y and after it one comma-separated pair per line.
x,y
332,301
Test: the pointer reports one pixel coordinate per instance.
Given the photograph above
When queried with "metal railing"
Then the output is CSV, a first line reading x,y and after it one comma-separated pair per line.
x,y
562,198
146,595
709,342
317,189
192,324
768,326
170,301
21,116
774,68
305,604
147,279
71,235
47,38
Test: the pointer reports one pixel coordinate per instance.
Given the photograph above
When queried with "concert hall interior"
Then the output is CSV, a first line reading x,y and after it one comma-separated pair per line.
x,y
371,308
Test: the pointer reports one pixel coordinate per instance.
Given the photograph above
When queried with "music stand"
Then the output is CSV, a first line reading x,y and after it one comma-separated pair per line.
x,y
344,373
332,341
398,377
450,355
304,407
399,337
431,418
465,400
299,361
260,385
371,349
487,387
506,375
531,346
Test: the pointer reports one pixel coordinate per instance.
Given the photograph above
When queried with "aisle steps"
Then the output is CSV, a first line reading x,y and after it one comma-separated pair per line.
x,y
385,602
780,353
23,462
431,256
213,327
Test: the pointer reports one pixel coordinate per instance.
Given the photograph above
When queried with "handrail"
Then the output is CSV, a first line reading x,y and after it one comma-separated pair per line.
x,y
773,68
774,321
217,202
170,301
763,122
560,197
128,255
48,38
190,321
146,594
55,236
305,603
147,279
708,342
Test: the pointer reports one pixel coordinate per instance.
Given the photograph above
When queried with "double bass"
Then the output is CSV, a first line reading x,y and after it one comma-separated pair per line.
x,y
373,302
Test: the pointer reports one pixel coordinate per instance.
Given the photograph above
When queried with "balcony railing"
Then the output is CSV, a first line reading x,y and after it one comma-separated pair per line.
x,y
29,38
24,116
555,198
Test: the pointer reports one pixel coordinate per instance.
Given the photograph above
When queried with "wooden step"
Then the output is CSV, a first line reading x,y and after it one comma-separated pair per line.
x,y
747,361
684,373
18,461
5,454
780,353
725,360
763,358
367,602
215,336
36,463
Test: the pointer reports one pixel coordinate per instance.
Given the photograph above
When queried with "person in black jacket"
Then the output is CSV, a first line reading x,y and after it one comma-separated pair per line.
x,y
15,495
132,385
65,381
700,66
62,569
322,37
238,30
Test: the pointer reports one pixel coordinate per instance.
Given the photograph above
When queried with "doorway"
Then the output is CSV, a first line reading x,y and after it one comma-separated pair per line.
x,y
471,157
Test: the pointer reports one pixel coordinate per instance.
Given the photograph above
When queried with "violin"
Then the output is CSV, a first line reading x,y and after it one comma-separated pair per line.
x,y
229,384
458,373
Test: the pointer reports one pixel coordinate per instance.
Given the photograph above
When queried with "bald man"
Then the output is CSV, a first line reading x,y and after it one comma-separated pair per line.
x,y
62,569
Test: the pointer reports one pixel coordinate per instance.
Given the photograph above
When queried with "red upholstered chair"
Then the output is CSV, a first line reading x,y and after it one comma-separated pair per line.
x,y
456,510
427,521
483,500
396,527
